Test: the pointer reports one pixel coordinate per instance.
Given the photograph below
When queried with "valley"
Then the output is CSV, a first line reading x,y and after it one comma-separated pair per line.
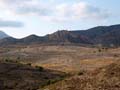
x,y
69,58
74,61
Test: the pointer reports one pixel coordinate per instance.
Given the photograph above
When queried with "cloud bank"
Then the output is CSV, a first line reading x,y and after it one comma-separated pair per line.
x,y
56,12
8,23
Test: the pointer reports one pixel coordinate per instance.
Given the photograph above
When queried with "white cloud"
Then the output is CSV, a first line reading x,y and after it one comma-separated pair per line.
x,y
9,23
80,10
54,12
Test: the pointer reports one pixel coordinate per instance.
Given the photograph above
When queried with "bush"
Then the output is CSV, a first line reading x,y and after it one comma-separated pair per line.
x,y
99,50
81,73
51,81
115,55
46,77
8,60
40,68
18,58
29,64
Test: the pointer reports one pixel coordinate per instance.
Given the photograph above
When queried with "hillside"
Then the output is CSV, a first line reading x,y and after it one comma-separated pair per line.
x,y
17,76
3,35
32,66
106,78
101,35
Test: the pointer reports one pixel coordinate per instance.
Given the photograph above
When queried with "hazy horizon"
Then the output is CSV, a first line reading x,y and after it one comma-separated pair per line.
x,y
20,18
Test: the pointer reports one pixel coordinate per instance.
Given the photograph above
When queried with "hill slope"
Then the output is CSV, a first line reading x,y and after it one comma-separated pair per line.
x,y
101,35
16,76
106,78
3,35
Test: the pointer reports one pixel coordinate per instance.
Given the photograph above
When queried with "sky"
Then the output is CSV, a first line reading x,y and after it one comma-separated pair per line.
x,y
20,18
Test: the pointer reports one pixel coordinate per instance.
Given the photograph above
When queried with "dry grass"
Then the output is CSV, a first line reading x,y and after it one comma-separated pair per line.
x,y
67,58
70,59
16,76
106,78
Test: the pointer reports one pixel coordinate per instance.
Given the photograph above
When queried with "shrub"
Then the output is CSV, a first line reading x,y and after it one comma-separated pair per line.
x,y
99,50
51,81
39,68
18,58
115,55
8,60
81,73
48,82
46,77
29,64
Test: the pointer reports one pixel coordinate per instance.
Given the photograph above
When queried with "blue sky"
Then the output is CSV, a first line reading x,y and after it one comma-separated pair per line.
x,y
20,18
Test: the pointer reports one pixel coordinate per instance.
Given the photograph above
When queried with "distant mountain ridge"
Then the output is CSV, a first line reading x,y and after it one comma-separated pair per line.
x,y
101,35
3,35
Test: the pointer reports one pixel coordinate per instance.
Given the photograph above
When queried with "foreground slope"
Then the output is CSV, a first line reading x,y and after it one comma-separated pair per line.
x,y
16,76
91,68
106,78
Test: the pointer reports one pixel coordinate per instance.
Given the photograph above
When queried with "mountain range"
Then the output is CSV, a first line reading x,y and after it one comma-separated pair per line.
x,y
101,35
3,35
